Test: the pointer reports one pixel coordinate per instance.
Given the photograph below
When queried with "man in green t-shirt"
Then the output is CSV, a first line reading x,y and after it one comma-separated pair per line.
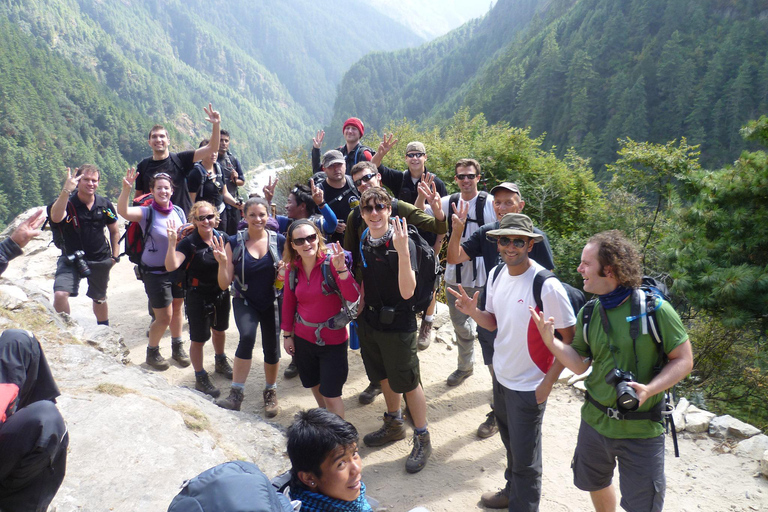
x,y
612,269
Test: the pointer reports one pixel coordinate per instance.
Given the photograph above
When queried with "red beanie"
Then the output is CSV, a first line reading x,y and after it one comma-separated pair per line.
x,y
356,123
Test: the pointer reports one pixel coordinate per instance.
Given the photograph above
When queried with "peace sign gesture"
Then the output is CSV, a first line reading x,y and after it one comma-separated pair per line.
x,y
212,116
317,140
219,250
317,193
70,184
269,189
464,302
337,257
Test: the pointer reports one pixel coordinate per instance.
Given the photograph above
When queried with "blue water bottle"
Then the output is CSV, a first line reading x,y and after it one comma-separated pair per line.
x,y
354,341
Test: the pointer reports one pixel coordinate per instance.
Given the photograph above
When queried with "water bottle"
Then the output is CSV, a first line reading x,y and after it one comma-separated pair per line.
x,y
354,341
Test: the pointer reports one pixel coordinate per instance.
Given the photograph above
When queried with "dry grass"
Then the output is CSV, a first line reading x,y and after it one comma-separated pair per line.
x,y
113,389
193,418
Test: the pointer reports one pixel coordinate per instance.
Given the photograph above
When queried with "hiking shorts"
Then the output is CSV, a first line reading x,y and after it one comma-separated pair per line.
x,y
389,355
641,467
247,319
68,279
486,339
206,311
163,287
326,365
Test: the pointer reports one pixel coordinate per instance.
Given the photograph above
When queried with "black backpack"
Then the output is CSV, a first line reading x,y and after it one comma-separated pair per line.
x,y
575,296
57,229
428,270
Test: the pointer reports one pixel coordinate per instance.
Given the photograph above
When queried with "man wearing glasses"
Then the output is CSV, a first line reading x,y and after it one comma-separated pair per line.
x,y
524,367
470,275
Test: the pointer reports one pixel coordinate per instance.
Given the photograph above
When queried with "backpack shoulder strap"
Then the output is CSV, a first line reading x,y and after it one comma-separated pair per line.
x,y
586,316
272,248
293,278
453,202
175,161
180,212
351,185
482,197
538,283
496,272
328,280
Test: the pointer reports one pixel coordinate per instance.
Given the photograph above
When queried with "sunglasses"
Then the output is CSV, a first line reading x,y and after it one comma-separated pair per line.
x,y
369,208
163,175
364,179
414,155
505,241
463,177
202,218
307,239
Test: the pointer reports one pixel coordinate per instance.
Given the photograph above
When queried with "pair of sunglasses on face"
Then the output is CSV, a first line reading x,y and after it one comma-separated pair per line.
x,y
370,208
304,240
363,179
505,241
415,155
462,177
203,218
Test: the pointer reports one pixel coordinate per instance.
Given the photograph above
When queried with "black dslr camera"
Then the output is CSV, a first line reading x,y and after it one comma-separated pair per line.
x,y
78,261
626,398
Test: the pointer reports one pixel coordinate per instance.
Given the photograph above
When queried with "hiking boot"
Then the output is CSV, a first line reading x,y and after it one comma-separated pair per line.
x,y
458,376
425,335
179,355
488,427
233,401
271,408
155,360
291,370
223,367
498,499
422,449
203,384
370,393
393,429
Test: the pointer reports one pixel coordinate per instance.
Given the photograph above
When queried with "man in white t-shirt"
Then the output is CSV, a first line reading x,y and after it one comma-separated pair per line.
x,y
525,368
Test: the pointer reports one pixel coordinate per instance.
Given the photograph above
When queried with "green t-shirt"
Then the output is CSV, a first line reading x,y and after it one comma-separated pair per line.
x,y
672,333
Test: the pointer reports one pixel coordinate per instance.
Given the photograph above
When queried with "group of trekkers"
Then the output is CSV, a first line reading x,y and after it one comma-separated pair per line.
x,y
352,249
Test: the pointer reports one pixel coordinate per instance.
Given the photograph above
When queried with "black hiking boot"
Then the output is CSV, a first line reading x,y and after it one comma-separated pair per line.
x,y
422,449
223,367
179,355
233,401
203,384
155,360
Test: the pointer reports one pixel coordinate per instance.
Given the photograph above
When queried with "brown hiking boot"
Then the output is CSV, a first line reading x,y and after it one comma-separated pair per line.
x,y
203,384
223,367
233,401
271,407
393,429
425,335
498,499
155,360
179,355
488,427
422,449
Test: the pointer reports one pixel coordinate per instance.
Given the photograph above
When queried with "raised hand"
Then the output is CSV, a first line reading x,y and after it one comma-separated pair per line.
x,y
317,193
130,177
337,257
464,302
317,140
219,250
400,234
171,230
546,326
387,143
70,184
212,116
459,217
269,189
28,229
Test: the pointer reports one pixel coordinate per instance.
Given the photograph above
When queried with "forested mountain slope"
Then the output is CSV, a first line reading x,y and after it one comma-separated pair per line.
x,y
587,72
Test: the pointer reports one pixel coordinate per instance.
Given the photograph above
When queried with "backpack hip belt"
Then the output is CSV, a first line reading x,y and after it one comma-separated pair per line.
x,y
336,322
654,414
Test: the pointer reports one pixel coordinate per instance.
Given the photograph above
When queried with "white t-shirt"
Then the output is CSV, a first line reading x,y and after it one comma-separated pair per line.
x,y
520,358
467,273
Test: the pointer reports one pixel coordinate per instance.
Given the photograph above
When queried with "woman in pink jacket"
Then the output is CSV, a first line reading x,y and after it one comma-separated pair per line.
x,y
313,323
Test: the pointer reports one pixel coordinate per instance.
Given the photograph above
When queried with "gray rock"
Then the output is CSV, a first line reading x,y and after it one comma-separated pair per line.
x,y
678,415
441,316
107,340
12,297
754,447
576,378
764,464
445,335
697,421
728,426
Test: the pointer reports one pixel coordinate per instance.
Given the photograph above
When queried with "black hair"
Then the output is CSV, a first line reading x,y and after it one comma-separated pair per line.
x,y
253,201
224,132
303,195
314,435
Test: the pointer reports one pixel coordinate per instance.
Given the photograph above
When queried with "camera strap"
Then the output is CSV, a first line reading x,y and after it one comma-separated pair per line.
x,y
655,414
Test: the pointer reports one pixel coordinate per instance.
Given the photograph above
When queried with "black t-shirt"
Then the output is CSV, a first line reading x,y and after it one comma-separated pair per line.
x,y
227,163
402,186
202,267
341,201
259,274
149,167
380,278
207,188
92,221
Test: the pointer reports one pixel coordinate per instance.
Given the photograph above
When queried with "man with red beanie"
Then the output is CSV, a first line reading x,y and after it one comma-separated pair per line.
x,y
354,152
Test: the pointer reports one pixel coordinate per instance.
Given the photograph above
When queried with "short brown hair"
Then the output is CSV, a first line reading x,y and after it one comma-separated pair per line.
x,y
157,128
89,168
467,162
378,194
363,166
616,251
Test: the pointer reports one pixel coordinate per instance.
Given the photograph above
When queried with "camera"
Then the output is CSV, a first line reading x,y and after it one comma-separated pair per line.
x,y
78,261
626,398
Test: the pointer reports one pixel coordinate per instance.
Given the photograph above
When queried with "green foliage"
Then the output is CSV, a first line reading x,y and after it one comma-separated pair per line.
x,y
586,73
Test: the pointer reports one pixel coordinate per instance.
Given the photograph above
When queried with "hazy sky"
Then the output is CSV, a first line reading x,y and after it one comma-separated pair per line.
x,y
432,18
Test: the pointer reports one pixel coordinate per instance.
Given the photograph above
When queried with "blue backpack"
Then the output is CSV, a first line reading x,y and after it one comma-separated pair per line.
x,y
235,486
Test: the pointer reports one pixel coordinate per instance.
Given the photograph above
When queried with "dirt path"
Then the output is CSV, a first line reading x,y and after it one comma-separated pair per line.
x,y
462,467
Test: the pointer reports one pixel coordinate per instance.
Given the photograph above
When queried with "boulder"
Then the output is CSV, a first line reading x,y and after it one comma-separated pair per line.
x,y
678,414
696,420
441,316
108,341
728,426
754,447
764,464
12,297
445,334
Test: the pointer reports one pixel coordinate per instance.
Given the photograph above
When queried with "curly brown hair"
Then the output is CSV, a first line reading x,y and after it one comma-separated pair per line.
x,y
193,212
377,194
616,251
